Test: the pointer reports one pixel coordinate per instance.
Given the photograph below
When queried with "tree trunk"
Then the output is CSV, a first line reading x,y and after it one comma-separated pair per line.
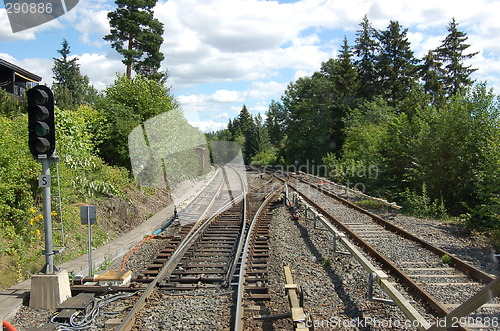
x,y
129,60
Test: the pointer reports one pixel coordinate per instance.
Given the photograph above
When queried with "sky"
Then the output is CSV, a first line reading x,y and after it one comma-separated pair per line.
x,y
223,54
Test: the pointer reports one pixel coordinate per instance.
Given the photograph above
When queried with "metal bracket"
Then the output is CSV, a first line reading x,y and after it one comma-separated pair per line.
x,y
372,278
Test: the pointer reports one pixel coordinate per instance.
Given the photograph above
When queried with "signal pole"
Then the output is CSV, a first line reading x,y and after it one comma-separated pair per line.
x,y
44,181
51,286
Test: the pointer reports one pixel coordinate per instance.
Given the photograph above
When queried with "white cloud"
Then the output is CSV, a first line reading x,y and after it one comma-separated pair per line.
x,y
224,96
100,69
222,116
222,54
208,126
6,31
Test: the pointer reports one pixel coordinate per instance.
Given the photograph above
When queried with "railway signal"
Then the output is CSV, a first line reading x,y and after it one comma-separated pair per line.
x,y
41,126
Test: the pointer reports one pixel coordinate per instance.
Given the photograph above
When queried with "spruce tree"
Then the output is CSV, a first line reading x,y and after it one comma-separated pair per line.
x,y
366,51
431,72
452,54
396,65
137,35
70,87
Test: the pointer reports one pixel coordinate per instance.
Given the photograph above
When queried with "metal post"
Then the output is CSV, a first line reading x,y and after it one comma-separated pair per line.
x,y
335,243
90,241
47,219
372,277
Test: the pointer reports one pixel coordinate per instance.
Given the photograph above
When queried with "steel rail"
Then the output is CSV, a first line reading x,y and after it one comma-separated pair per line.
x,y
239,249
238,321
129,321
462,265
438,308
381,277
241,241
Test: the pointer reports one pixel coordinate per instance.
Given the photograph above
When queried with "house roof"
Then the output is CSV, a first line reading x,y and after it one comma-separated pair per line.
x,y
22,72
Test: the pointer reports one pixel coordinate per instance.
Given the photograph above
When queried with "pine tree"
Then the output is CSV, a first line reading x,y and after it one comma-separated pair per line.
x,y
137,35
396,65
366,50
452,54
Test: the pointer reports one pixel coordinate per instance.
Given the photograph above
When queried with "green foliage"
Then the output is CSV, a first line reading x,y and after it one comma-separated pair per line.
x,y
422,205
250,133
326,263
18,177
70,87
446,259
265,157
9,106
128,103
456,75
137,36
395,65
82,174
495,239
368,204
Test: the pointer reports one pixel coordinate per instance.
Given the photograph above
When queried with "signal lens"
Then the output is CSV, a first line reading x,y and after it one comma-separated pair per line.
x,y
42,145
42,129
40,97
41,113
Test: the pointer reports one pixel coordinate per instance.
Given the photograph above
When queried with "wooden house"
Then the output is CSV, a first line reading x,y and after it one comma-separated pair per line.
x,y
16,80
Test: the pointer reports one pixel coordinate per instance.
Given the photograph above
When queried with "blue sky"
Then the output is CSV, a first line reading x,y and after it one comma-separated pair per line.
x,y
222,54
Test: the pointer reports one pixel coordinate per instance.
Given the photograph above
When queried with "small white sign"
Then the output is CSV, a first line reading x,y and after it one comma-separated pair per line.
x,y
44,181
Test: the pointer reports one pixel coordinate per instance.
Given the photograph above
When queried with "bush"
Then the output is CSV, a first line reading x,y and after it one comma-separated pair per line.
x,y
127,104
9,105
422,205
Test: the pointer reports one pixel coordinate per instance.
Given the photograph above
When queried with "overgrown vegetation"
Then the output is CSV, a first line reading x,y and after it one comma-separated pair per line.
x,y
92,134
421,132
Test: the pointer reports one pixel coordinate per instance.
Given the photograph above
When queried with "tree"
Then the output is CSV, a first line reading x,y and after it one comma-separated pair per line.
x,y
366,50
275,123
71,88
396,65
342,72
451,53
343,77
128,103
137,36
431,72
245,133
308,103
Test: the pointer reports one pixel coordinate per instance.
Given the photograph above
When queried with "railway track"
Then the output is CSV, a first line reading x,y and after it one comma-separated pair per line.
x,y
217,263
207,261
416,264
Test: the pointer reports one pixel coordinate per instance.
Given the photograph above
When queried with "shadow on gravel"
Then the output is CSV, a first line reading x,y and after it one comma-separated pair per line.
x,y
351,308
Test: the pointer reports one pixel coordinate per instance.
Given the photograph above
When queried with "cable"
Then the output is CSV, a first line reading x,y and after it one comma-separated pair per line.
x,y
88,320
129,253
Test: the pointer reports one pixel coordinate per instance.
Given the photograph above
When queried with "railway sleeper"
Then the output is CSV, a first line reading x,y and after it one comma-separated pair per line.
x,y
202,265
197,279
256,278
213,250
196,259
185,287
196,272
258,296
